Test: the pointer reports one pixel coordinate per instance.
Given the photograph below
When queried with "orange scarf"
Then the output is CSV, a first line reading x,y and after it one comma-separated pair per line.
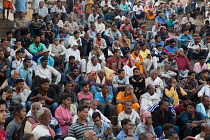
x,y
99,43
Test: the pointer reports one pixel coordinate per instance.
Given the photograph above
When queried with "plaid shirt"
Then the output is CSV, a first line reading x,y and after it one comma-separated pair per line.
x,y
186,85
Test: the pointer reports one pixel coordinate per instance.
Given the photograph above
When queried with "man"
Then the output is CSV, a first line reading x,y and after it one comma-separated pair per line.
x,y
2,118
25,72
90,135
188,23
190,85
205,129
127,95
184,39
45,71
5,67
93,65
20,94
19,59
171,135
26,41
182,63
147,136
161,19
44,91
54,27
100,25
72,39
42,128
43,12
183,106
100,42
20,25
155,81
50,60
157,41
171,48
146,55
127,130
200,65
148,99
203,108
165,36
138,82
127,24
73,51
67,66
114,62
196,49
111,34
36,48
104,100
68,89
78,129
57,50
129,113
102,129
139,11
161,117
92,18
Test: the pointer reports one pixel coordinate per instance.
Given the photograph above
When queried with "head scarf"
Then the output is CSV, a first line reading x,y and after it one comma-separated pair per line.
x,y
145,115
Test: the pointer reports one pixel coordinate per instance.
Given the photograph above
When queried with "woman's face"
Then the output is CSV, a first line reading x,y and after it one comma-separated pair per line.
x,y
67,102
190,109
149,119
22,114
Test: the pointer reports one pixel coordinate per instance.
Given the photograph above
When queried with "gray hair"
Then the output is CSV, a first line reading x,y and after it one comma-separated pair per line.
x,y
152,71
36,103
41,112
81,26
128,85
100,71
13,72
93,57
180,49
87,134
129,138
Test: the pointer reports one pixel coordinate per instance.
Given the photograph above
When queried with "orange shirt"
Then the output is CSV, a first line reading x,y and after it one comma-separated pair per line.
x,y
120,96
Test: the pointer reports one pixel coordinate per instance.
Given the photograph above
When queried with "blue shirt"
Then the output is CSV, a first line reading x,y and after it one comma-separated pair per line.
x,y
187,118
99,96
171,50
182,38
24,74
154,44
100,131
122,136
50,61
161,19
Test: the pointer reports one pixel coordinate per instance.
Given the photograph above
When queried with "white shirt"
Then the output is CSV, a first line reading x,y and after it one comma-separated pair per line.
x,y
56,50
100,27
91,68
136,8
41,11
119,17
72,39
40,130
21,97
90,113
72,52
91,18
47,73
17,63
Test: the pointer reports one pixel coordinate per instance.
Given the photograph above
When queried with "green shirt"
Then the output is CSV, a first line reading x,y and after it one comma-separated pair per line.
x,y
34,49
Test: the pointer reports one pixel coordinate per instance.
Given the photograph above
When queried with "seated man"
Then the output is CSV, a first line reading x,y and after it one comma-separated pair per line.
x,y
204,132
119,81
148,99
26,41
97,81
73,51
102,129
46,53
146,55
63,35
85,93
127,130
93,65
18,59
124,96
67,66
171,48
111,34
5,67
114,62
36,48
128,63
138,82
127,24
203,107
46,92
161,19
129,113
156,41
104,100
196,49
57,50
46,71
139,11
183,106
184,39
165,36
43,12
92,32
200,65
188,23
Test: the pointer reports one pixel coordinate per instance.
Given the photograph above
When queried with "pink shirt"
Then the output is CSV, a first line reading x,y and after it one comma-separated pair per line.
x,y
62,115
128,27
198,68
81,95
178,3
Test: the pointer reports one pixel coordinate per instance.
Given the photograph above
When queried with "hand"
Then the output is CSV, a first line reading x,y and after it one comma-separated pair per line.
x,y
68,123
39,95
4,96
186,40
193,125
202,134
21,90
173,85
78,41
110,38
45,97
198,49
165,41
75,84
110,131
193,91
39,53
4,68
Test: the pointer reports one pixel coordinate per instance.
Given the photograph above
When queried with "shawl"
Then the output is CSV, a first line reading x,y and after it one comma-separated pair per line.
x,y
52,133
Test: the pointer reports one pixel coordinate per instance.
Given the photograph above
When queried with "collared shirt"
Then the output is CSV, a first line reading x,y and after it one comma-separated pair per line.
x,y
42,11
185,20
91,111
193,46
187,118
81,95
159,119
142,128
99,96
204,112
182,38
34,49
100,131
73,39
168,49
56,50
58,10
24,73
72,52
186,85
161,19
47,73
123,81
78,129
100,27
21,97
122,136
92,68
172,64
50,61
182,62
17,63
198,68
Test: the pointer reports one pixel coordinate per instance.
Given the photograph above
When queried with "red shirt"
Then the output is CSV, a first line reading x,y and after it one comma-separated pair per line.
x,y
129,63
179,109
113,63
182,62
2,134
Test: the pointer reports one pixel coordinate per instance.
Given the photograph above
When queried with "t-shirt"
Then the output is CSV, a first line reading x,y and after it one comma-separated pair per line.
x,y
98,96
129,63
121,96
145,53
12,128
113,63
179,109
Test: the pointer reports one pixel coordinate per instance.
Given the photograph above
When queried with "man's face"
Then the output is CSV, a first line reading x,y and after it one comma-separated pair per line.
x,y
35,108
192,76
71,60
94,105
56,42
114,28
151,90
186,102
75,72
37,40
190,109
83,114
28,63
87,103
92,136
197,40
46,54
45,86
75,47
97,121
105,90
181,53
121,74
21,15
165,106
173,44
206,74
163,29
44,63
128,126
129,89
68,87
9,94
117,54
171,57
206,102
85,88
15,76
94,61
41,4
46,118
18,44
3,113
202,61
20,85
186,33
19,56
128,107
137,73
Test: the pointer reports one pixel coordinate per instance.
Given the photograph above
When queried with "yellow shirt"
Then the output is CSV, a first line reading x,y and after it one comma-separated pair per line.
x,y
144,53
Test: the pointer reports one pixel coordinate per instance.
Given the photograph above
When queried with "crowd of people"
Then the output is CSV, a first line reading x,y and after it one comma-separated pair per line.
x,y
90,70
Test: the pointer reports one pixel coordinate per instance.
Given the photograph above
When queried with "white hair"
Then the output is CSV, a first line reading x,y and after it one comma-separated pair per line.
x,y
36,103
87,134
13,72
41,112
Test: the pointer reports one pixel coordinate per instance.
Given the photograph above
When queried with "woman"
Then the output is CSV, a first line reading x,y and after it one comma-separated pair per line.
x,y
32,118
192,121
128,64
173,92
71,26
150,11
19,113
125,43
63,115
146,125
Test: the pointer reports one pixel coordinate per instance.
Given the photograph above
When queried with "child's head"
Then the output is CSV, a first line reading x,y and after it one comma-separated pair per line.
x,y
48,25
85,87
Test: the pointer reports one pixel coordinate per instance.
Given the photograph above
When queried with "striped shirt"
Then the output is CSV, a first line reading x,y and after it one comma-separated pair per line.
x,y
156,106
78,129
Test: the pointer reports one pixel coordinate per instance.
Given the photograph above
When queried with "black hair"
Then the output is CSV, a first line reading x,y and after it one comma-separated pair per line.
x,y
143,136
167,127
27,136
37,36
192,104
163,101
170,133
207,137
16,109
201,57
17,52
44,80
125,122
19,81
115,51
148,87
84,84
203,98
157,46
2,102
172,41
81,108
82,101
207,22
68,82
26,59
39,99
46,138
76,32
9,32
73,68
47,24
186,97
204,71
156,36
135,69
103,86
95,115
2,40
71,57
120,70
137,48
35,14
63,97
191,72
186,30
43,59
128,51
100,16
17,41
142,44
208,34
